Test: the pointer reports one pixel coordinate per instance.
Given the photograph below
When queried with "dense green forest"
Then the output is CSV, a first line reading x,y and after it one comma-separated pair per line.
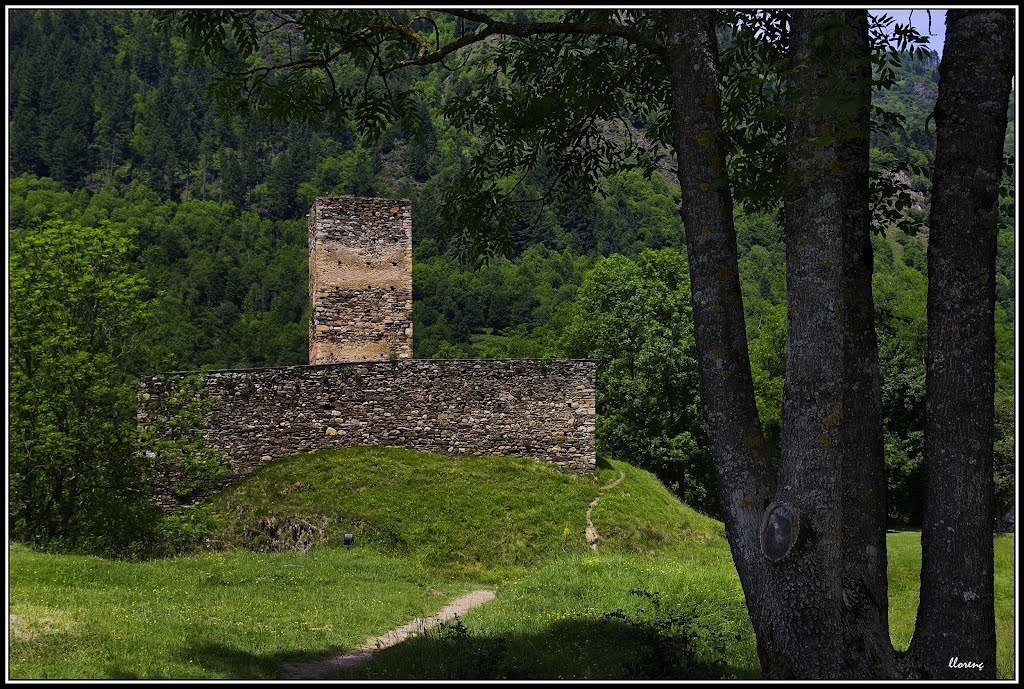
x,y
112,126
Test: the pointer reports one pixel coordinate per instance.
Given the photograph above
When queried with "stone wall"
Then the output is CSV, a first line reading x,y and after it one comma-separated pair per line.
x,y
360,280
538,408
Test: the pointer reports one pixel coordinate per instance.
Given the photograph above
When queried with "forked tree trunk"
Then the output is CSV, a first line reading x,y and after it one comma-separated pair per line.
x,y
811,556
955,631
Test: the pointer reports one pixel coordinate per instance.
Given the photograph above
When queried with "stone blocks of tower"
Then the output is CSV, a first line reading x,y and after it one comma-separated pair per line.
x,y
360,280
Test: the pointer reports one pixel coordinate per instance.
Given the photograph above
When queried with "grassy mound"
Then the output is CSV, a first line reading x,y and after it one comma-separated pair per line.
x,y
465,515
640,516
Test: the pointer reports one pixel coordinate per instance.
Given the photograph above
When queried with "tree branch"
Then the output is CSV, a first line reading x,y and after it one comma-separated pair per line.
x,y
492,27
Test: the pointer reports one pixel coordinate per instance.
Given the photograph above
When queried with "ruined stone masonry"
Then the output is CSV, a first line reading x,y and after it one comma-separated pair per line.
x,y
360,280
542,409
362,386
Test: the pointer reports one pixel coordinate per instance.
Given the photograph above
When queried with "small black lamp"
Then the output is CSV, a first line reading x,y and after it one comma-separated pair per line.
x,y
348,539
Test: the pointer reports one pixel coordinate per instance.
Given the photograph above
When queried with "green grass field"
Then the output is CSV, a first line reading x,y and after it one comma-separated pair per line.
x,y
904,550
659,598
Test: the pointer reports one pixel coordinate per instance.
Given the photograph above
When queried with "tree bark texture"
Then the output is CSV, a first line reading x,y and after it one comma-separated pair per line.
x,y
810,547
815,586
810,607
864,569
956,617
743,470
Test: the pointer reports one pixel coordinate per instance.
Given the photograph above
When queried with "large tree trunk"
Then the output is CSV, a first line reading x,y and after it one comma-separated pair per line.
x,y
813,563
806,612
832,607
955,630
864,575
743,470
812,557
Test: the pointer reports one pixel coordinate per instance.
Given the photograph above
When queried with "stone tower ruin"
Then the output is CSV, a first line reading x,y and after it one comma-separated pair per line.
x,y
360,288
360,280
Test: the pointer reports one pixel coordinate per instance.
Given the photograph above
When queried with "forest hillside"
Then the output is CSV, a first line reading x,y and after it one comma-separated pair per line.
x,y
111,125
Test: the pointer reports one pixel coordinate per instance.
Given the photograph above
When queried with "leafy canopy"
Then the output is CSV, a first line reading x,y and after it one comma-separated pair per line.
x,y
575,97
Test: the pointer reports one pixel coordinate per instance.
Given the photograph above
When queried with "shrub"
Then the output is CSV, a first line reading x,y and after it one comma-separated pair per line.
x,y
670,644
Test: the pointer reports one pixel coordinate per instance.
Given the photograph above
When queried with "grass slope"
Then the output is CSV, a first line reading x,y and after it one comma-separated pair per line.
x,y
641,517
659,598
460,515
480,517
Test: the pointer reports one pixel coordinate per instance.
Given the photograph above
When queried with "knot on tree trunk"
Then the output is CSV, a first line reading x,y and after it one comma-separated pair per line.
x,y
780,530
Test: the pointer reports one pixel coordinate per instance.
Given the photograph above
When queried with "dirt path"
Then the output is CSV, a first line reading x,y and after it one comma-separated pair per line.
x,y
591,531
318,668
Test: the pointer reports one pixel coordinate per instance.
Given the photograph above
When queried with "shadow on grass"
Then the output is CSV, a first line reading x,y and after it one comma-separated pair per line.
x,y
219,660
584,648
581,648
